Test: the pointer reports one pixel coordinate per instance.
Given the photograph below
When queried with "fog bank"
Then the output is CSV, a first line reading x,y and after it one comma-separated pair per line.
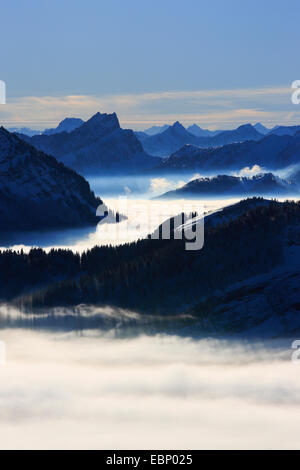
x,y
93,391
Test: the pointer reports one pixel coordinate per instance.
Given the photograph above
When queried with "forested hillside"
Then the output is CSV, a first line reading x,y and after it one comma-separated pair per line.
x,y
157,276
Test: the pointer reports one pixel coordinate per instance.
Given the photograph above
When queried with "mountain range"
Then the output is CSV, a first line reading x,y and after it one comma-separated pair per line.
x,y
37,192
100,146
173,138
166,140
97,146
270,152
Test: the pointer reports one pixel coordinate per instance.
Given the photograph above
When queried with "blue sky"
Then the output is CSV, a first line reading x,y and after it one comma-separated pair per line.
x,y
110,52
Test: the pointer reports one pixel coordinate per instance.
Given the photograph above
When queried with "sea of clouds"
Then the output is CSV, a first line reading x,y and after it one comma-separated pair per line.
x,y
92,390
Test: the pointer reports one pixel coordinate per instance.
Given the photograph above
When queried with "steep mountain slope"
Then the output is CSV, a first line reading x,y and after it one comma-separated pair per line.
x,y
271,152
265,307
228,186
67,125
98,145
37,192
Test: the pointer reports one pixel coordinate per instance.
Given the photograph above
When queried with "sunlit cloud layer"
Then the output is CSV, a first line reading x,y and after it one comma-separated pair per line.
x,y
250,171
209,108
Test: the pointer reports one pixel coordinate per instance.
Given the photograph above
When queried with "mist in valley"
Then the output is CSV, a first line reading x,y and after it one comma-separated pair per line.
x,y
134,196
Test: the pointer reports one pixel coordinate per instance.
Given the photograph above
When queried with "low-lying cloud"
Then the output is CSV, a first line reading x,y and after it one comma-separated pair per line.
x,y
91,390
251,171
160,185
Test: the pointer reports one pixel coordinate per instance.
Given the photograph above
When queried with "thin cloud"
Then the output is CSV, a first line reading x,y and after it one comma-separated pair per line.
x,y
159,185
213,108
251,171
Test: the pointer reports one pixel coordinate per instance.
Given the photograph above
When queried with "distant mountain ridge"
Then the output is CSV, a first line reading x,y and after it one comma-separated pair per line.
x,y
228,186
156,129
67,125
270,152
285,130
24,130
261,128
241,134
199,132
98,145
172,139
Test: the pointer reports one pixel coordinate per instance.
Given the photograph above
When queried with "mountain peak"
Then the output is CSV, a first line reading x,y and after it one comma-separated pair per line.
x,y
246,126
177,128
178,125
248,130
195,127
96,116
200,132
66,125
69,122
104,121
261,128
3,131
